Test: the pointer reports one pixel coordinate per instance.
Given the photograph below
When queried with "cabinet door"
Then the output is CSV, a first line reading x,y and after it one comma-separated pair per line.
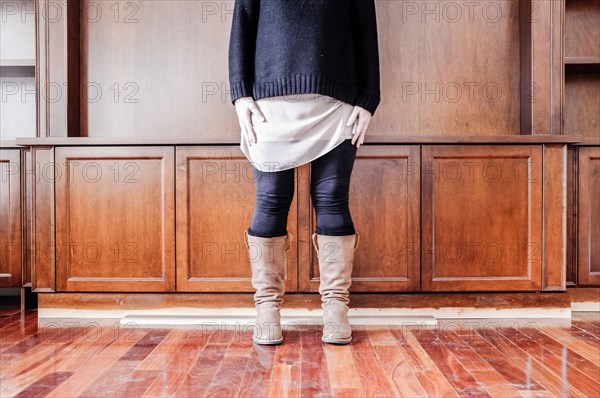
x,y
115,222
482,217
384,203
588,258
215,202
10,214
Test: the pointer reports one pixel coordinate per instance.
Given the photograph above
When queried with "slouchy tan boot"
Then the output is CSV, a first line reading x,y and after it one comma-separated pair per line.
x,y
269,272
336,258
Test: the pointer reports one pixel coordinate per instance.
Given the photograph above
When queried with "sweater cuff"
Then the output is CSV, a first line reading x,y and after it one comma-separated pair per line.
x,y
240,89
368,100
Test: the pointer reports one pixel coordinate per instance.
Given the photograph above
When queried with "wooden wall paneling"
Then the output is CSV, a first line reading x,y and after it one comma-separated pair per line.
x,y
44,174
41,70
385,197
431,78
399,70
526,90
582,32
542,66
481,217
571,215
124,50
11,243
215,200
556,65
554,246
52,73
588,250
434,82
115,219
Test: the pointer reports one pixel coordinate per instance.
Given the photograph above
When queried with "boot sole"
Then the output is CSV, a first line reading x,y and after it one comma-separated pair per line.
x,y
337,341
268,342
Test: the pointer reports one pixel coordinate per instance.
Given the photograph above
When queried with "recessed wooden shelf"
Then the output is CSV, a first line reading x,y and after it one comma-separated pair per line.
x,y
571,69
18,71
17,62
582,65
582,60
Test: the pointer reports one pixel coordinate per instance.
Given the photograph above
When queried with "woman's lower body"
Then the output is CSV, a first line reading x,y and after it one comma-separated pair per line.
x,y
335,241
329,189
300,129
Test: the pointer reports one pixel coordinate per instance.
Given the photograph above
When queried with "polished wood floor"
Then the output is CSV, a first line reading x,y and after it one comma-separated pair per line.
x,y
459,358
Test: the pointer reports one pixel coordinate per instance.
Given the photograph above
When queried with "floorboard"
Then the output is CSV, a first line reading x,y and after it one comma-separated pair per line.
x,y
100,358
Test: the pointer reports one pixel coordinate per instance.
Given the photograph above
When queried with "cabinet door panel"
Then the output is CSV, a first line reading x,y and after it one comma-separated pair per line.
x,y
215,201
10,214
589,216
115,219
482,217
384,203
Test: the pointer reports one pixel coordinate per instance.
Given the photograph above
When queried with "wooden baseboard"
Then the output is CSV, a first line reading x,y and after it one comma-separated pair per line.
x,y
241,305
584,294
137,301
584,299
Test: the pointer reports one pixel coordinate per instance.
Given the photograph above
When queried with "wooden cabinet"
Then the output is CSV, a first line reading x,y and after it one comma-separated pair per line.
x,y
431,217
482,218
11,216
115,219
215,198
588,247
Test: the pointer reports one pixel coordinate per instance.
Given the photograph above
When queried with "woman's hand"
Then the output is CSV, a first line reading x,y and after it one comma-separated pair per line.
x,y
364,118
245,107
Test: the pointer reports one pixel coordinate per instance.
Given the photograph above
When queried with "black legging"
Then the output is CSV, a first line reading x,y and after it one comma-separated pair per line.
x,y
329,186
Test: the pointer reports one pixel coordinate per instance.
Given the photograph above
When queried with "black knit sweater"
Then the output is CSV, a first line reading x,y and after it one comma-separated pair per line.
x,y
284,47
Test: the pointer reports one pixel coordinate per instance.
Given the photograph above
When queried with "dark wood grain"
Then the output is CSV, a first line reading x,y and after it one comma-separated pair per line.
x,y
462,381
428,374
535,371
314,375
586,383
514,374
42,386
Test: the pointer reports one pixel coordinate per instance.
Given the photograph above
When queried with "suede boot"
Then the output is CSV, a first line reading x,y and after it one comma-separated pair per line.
x,y
268,259
336,258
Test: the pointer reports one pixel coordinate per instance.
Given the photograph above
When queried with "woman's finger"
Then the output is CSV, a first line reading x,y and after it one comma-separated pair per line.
x,y
249,125
364,133
256,110
361,124
251,133
366,119
362,139
355,134
353,116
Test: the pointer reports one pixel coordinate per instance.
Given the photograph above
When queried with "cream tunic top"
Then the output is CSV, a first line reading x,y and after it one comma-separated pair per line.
x,y
298,129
